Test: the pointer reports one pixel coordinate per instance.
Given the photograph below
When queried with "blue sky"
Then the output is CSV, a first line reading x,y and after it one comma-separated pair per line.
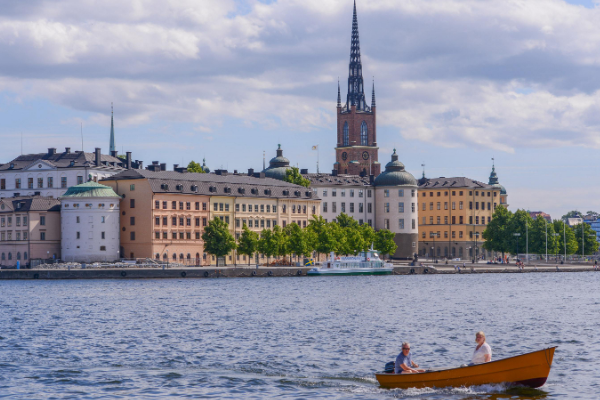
x,y
458,82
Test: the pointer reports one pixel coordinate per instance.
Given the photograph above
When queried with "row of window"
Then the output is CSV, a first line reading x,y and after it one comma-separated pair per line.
x,y
187,204
174,235
386,207
176,221
248,208
386,223
256,223
91,219
437,235
427,252
8,236
386,193
460,220
350,192
10,256
7,221
343,207
460,205
40,183
364,136
88,205
460,193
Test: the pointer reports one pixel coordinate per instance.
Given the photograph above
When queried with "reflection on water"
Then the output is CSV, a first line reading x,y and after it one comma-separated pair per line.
x,y
322,337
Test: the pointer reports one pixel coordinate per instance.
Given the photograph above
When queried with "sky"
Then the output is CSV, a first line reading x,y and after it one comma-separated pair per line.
x,y
458,82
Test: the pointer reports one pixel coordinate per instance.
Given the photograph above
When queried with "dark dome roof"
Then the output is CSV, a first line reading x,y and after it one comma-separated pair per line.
x,y
277,166
494,181
395,174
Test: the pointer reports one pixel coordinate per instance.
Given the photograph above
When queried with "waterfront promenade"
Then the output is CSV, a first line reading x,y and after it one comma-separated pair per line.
x,y
134,272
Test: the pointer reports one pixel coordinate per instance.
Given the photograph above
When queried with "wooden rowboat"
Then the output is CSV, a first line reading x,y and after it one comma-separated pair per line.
x,y
529,369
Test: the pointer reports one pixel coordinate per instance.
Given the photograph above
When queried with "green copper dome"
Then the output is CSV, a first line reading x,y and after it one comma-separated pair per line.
x,y
90,189
395,174
277,166
494,181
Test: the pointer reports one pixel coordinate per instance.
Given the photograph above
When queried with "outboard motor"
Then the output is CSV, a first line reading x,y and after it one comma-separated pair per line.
x,y
390,367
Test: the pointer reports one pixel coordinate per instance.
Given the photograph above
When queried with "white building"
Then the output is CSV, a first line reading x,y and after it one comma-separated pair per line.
x,y
349,194
396,207
90,223
51,174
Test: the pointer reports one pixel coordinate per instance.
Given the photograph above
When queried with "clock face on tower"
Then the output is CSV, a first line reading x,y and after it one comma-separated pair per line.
x,y
365,155
344,156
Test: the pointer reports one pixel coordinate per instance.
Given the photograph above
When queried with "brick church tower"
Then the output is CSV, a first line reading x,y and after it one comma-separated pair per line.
x,y
356,150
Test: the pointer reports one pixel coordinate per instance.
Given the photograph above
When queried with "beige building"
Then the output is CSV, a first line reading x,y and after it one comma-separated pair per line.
x,y
163,213
29,230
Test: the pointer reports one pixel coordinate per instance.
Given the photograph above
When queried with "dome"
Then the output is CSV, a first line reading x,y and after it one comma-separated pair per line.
x,y
494,181
499,186
277,166
90,189
395,174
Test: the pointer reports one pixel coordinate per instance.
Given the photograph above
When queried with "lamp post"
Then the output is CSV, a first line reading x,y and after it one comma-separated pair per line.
x,y
556,235
516,235
434,255
167,250
475,251
546,239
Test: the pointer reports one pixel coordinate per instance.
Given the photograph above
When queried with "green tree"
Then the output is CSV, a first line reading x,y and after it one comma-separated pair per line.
x,y
571,214
196,167
590,244
540,231
496,234
565,232
293,176
298,241
321,232
248,242
519,223
281,240
368,236
592,214
384,242
217,239
266,244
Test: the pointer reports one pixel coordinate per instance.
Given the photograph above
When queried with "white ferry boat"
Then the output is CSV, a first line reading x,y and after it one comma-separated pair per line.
x,y
367,263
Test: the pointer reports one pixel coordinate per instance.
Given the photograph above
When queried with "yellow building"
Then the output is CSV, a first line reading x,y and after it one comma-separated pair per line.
x,y
453,213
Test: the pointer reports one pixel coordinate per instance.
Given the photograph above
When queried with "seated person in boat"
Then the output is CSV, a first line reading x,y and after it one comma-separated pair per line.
x,y
483,351
404,363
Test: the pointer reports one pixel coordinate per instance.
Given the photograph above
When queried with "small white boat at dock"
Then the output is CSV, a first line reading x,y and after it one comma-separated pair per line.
x,y
366,263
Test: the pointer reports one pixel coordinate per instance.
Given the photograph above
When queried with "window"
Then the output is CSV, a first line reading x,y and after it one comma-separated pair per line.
x,y
414,225
343,193
346,135
30,183
42,220
188,205
460,220
324,206
18,221
164,220
369,193
132,235
333,192
24,221
156,204
174,221
102,235
401,207
197,237
181,205
165,235
424,234
460,235
343,207
438,205
131,187
351,192
188,222
386,193
445,205
477,220
78,235
333,207
262,208
79,180
50,182
446,220
401,223
180,221
197,222
204,206
40,183
454,205
351,207
3,186
431,220
460,205
360,207
431,205
453,220
204,221
324,192
42,235
438,220
174,205
268,208
386,224
413,207
17,184
227,220
424,206
476,205
156,220
471,220
131,203
188,236
386,207
364,137
237,207
220,206
63,182
369,208
400,192
174,236
131,221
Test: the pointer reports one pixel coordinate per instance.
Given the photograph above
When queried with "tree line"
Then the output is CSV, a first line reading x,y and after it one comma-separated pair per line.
x,y
510,232
342,236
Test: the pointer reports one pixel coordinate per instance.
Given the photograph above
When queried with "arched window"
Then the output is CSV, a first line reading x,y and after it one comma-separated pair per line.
x,y
189,256
157,256
364,141
10,256
3,256
25,256
175,256
181,256
18,255
165,256
346,139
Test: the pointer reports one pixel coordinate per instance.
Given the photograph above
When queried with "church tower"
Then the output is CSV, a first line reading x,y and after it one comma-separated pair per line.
x,y
356,150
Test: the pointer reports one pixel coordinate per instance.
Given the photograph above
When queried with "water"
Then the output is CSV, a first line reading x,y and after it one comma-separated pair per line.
x,y
321,337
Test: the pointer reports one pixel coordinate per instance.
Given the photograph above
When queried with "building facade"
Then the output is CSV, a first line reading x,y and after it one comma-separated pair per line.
x,y
29,230
356,152
453,213
396,207
90,223
51,174
194,199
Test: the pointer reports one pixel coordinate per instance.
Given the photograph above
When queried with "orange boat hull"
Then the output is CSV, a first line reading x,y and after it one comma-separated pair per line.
x,y
529,369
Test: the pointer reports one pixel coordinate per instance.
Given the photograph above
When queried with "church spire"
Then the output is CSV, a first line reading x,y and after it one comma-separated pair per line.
x,y
356,93
339,103
112,131
373,95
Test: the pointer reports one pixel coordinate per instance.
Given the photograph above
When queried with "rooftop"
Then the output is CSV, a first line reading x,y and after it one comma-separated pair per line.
x,y
456,182
341,180
65,159
29,203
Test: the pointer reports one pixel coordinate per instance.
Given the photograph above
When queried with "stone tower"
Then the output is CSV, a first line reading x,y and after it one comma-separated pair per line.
x,y
356,150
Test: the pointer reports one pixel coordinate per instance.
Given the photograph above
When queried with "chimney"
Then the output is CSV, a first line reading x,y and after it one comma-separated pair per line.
x,y
334,172
250,171
175,167
235,171
371,179
140,165
163,166
127,158
97,152
304,171
113,153
51,151
67,150
262,175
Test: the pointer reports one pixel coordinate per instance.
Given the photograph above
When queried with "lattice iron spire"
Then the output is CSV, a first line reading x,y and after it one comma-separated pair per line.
x,y
112,131
373,95
356,93
339,103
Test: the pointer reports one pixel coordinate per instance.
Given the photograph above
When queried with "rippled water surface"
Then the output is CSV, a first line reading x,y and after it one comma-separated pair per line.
x,y
289,337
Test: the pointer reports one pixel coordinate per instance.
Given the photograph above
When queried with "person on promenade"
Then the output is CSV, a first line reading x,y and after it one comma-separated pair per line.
x,y
483,351
404,363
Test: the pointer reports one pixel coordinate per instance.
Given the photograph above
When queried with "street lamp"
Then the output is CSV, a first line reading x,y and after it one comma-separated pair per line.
x,y
516,235
167,250
556,235
475,251
434,255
